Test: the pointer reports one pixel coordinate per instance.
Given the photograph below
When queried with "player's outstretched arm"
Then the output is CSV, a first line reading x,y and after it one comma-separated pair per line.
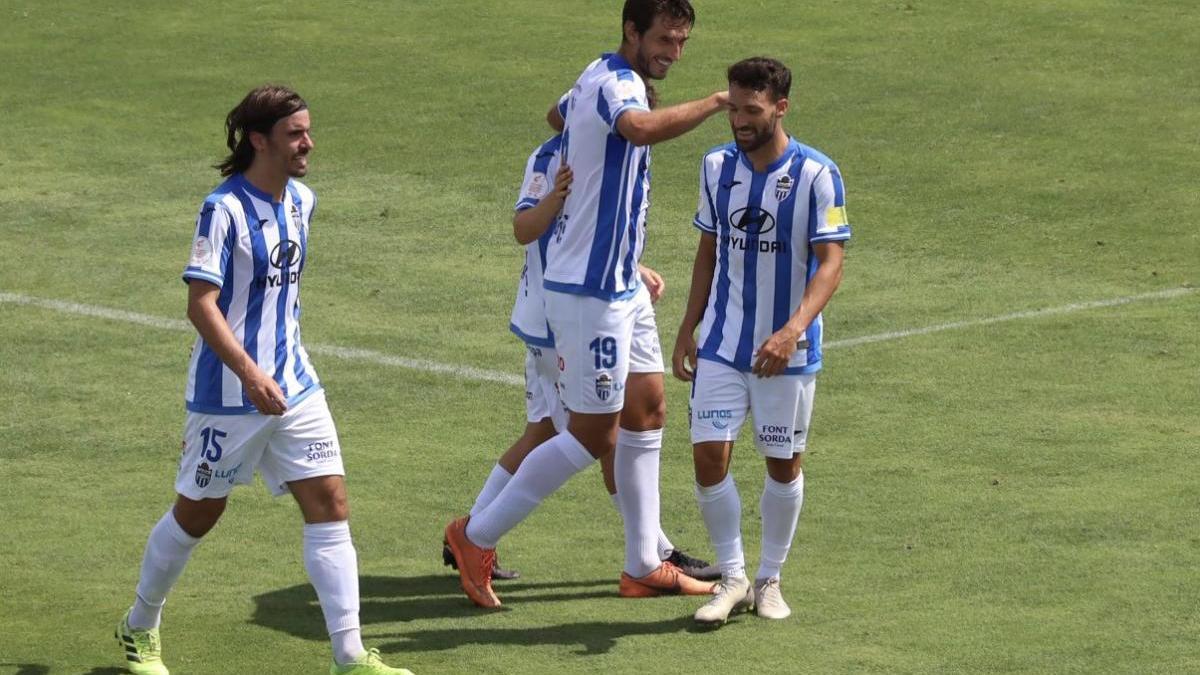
x,y
683,358
647,127
531,223
774,354
206,316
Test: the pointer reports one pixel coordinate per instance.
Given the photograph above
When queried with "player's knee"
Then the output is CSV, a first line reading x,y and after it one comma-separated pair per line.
x,y
711,467
785,470
197,516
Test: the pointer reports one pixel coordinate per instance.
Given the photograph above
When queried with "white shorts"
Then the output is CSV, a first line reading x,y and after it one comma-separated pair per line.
x,y
782,407
220,451
599,343
541,387
645,351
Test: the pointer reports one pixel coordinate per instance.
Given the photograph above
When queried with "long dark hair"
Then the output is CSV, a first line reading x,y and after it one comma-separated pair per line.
x,y
259,111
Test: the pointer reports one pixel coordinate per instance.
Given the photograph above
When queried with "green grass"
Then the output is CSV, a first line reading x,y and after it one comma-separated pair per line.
x,y
1015,497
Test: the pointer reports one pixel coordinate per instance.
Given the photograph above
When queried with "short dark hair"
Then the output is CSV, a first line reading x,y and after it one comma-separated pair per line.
x,y
258,111
760,74
643,12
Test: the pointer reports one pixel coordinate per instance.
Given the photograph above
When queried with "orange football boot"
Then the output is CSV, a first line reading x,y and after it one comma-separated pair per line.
x,y
666,579
474,565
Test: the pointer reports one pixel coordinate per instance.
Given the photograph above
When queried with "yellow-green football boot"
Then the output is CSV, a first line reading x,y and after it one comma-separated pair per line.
x,y
367,664
143,650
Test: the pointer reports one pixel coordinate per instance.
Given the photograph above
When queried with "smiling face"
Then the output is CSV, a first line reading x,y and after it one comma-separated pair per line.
x,y
754,116
656,50
285,149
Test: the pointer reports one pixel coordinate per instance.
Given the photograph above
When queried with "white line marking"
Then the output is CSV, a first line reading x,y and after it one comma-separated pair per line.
x,y
1028,314
480,374
347,353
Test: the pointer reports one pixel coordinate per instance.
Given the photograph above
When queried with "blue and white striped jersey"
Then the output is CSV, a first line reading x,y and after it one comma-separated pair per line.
x,y
599,238
766,224
254,250
528,320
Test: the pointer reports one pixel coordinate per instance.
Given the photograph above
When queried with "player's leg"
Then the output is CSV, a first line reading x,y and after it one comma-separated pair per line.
x,y
719,403
638,454
782,408
219,451
304,457
592,337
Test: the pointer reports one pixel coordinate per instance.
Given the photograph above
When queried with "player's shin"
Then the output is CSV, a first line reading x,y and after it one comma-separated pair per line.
x,y
545,470
332,566
167,552
721,508
780,504
636,469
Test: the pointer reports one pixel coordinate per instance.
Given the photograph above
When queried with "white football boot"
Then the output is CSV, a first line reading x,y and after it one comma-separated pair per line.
x,y
732,594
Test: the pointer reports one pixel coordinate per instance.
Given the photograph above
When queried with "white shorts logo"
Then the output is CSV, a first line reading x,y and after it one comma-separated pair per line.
x,y
201,252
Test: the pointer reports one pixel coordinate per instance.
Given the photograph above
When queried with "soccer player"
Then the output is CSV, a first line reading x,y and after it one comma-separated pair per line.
x,y
538,206
772,223
253,400
602,329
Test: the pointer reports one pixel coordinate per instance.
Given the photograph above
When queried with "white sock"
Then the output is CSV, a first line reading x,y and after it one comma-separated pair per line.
x,y
167,553
780,511
635,469
721,508
545,470
332,566
665,547
491,487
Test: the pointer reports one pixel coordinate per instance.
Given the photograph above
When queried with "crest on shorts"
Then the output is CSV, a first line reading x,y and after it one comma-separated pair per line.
x,y
783,187
203,474
604,385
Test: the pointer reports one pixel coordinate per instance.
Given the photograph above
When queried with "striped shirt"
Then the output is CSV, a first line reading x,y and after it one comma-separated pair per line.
x,y
599,237
253,249
528,320
766,225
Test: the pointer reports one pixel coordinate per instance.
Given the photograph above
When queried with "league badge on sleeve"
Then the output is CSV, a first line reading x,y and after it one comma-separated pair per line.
x,y
201,252
538,185
783,187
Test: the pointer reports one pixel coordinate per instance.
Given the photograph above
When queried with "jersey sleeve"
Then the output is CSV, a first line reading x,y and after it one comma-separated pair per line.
x,y
535,185
211,246
706,210
562,104
620,92
830,222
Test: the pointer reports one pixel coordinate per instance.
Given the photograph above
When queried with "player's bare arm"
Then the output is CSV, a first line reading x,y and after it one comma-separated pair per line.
x,y
774,354
683,359
654,282
531,223
647,127
204,314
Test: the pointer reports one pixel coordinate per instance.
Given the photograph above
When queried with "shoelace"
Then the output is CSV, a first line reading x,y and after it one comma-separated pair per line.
x,y
373,658
489,561
146,641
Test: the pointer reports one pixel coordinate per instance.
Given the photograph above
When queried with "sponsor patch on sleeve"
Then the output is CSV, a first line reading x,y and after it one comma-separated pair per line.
x,y
835,216
625,90
201,252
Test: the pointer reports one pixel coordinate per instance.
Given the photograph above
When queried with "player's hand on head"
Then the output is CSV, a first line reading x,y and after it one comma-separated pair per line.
x,y
264,393
683,359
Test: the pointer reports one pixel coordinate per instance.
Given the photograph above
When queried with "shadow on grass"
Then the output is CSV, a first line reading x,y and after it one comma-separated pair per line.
x,y
107,671
294,610
25,668
593,637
